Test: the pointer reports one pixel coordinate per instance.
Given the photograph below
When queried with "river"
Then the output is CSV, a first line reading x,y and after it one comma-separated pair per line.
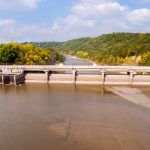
x,y
72,60
72,117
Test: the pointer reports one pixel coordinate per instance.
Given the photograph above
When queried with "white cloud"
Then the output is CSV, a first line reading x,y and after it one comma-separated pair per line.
x,y
95,17
30,3
18,4
95,8
86,18
140,15
22,33
73,20
56,26
6,22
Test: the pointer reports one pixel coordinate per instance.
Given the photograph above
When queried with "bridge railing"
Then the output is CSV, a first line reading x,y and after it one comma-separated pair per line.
x,y
49,67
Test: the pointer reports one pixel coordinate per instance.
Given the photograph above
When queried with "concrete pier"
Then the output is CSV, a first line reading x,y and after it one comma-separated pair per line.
x,y
4,79
19,79
15,79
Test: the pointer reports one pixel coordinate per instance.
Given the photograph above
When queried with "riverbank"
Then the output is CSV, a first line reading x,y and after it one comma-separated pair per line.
x,y
132,94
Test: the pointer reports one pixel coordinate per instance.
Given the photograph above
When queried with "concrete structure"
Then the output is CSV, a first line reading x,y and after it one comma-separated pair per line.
x,y
125,75
15,79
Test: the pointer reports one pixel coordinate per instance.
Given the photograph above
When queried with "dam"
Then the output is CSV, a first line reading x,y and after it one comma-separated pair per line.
x,y
76,74
43,116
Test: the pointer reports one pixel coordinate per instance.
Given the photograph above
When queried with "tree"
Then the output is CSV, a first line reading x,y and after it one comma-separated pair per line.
x,y
82,54
8,53
26,54
145,59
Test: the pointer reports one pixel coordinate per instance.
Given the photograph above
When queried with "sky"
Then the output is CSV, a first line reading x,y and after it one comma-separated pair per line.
x,y
62,20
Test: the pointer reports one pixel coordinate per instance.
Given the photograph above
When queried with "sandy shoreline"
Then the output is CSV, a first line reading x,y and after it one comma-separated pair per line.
x,y
131,94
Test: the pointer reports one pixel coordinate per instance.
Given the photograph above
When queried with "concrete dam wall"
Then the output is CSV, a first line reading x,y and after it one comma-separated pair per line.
x,y
101,75
89,79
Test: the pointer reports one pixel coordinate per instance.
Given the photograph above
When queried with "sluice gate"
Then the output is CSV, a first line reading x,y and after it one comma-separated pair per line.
x,y
15,79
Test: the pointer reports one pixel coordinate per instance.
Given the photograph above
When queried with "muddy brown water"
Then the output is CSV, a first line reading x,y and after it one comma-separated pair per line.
x,y
69,117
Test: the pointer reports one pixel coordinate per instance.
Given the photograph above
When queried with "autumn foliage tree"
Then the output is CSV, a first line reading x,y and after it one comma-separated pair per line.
x,y
16,53
145,59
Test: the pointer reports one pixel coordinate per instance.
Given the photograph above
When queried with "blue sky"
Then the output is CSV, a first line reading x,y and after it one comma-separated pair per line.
x,y
57,20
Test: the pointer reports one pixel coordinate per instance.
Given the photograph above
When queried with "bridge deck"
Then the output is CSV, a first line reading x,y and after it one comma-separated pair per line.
x,y
91,74
84,68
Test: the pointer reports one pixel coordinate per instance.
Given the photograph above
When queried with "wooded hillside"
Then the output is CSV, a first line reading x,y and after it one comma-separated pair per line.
x,y
114,49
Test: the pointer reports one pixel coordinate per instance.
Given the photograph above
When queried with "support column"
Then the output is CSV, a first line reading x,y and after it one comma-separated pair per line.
x,y
47,75
3,82
15,80
74,72
131,73
103,76
5,79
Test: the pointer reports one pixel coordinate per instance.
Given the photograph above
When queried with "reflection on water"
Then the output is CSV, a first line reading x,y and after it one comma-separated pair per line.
x,y
69,117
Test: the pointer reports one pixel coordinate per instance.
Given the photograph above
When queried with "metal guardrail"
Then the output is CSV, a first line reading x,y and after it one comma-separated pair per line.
x,y
51,67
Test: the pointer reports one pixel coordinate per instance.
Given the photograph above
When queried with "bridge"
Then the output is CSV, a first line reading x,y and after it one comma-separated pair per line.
x,y
69,67
101,75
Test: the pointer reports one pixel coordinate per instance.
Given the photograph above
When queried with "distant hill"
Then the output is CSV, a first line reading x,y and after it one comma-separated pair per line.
x,y
75,44
106,49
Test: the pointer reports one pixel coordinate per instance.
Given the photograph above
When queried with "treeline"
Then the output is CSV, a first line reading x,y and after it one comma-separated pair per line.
x,y
15,53
110,49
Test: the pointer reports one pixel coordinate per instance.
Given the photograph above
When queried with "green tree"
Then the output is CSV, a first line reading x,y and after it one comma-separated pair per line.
x,y
8,53
16,53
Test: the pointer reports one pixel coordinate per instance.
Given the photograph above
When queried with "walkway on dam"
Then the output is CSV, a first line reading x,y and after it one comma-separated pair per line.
x,y
124,75
62,67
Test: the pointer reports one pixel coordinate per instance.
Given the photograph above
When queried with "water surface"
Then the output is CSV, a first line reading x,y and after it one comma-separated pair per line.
x,y
69,117
76,61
